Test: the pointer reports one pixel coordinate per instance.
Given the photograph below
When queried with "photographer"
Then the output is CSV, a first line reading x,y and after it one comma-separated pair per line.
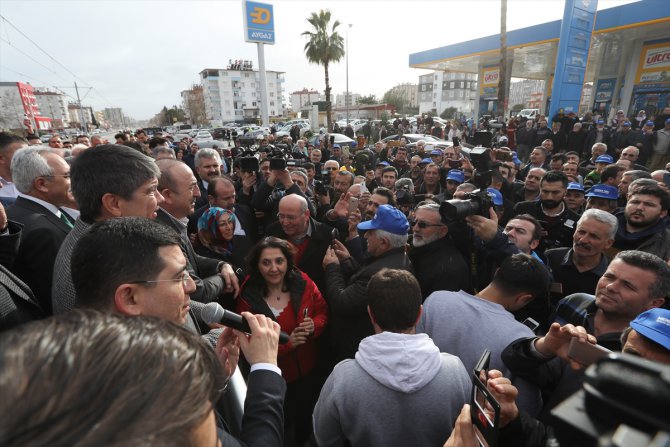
x,y
269,192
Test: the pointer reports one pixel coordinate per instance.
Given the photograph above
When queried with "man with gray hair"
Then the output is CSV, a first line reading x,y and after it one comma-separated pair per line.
x,y
43,180
207,164
437,262
628,178
347,281
579,268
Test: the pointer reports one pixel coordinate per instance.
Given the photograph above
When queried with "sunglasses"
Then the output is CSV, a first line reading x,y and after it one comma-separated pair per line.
x,y
423,224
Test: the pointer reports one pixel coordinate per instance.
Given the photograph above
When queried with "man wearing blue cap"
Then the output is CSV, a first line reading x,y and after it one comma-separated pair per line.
x,y
649,336
346,280
602,197
574,197
601,163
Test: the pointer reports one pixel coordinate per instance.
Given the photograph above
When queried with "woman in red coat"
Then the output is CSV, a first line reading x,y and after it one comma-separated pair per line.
x,y
278,289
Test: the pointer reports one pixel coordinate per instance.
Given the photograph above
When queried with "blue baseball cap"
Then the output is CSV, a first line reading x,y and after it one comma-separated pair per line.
x,y
496,196
651,123
515,158
605,159
655,325
425,161
336,146
574,186
388,219
667,121
626,124
383,163
436,152
603,191
600,122
456,175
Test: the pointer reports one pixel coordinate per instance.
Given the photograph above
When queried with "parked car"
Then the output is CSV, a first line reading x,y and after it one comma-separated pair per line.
x,y
203,135
286,130
414,137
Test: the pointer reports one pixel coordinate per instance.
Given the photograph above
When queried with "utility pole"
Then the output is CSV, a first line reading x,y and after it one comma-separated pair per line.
x,y
502,72
81,111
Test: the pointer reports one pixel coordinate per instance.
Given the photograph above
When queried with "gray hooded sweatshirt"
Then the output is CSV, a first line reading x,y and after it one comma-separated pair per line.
x,y
399,391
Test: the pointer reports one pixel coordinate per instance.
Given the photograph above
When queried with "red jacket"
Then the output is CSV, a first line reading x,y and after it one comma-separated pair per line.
x,y
293,362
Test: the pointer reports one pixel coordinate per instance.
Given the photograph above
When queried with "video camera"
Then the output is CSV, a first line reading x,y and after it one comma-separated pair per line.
x,y
624,402
475,203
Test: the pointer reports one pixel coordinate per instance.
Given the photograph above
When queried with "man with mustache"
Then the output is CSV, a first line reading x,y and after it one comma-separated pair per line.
x,y
558,221
579,268
644,223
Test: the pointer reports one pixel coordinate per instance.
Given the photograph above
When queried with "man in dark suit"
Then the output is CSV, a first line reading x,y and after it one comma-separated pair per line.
x,y
208,167
17,302
310,238
221,193
179,188
43,180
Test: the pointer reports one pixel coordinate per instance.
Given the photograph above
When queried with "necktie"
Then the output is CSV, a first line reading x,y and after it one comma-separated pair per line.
x,y
65,219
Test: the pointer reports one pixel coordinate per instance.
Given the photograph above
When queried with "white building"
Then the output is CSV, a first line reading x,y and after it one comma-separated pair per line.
x,y
408,92
75,114
440,90
302,98
340,102
521,92
114,117
54,106
235,95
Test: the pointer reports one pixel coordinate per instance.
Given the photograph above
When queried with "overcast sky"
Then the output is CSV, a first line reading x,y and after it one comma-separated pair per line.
x,y
139,55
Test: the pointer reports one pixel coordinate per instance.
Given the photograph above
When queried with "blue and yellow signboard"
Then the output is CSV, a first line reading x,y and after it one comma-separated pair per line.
x,y
259,24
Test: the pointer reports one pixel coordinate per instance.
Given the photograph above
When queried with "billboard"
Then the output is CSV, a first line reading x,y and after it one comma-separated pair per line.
x,y
654,65
259,24
488,85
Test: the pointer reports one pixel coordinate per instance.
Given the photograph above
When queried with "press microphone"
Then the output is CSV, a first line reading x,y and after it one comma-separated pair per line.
x,y
214,313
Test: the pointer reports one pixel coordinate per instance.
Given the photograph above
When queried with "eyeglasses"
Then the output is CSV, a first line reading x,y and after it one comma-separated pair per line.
x,y
183,277
287,217
332,168
58,175
423,224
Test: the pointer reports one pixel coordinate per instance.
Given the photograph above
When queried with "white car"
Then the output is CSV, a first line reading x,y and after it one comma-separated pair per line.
x,y
203,135
286,130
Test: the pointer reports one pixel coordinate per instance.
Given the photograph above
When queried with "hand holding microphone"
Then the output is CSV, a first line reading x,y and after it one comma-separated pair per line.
x,y
214,313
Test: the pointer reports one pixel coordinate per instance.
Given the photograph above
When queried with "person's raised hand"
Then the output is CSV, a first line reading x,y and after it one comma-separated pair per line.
x,y
330,258
557,341
230,278
506,394
262,344
341,207
298,336
340,250
463,434
485,229
228,350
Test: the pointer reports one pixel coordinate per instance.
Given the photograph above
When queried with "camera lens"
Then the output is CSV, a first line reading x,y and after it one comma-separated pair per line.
x,y
458,209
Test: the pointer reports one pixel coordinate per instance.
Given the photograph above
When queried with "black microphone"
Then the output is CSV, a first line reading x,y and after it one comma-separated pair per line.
x,y
214,313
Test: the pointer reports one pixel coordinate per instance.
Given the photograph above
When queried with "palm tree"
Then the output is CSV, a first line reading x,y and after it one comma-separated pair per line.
x,y
324,46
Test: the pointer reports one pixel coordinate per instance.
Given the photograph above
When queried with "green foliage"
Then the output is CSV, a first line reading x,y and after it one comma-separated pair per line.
x,y
324,46
168,117
369,100
398,101
448,113
517,107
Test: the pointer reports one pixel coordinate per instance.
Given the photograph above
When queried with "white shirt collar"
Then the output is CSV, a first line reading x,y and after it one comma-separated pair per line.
x,y
46,205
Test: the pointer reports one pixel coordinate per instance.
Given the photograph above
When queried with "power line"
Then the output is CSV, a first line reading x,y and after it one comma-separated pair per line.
x,y
41,49
30,57
58,89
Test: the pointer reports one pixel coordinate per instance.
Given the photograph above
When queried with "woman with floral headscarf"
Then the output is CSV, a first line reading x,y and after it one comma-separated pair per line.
x,y
217,238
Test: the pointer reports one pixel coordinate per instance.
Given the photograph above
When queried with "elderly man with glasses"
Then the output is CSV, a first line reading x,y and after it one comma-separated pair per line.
x,y
438,265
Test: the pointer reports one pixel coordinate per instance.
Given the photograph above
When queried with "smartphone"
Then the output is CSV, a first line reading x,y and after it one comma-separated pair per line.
x,y
485,423
666,179
455,164
531,324
353,204
249,164
336,235
277,164
586,353
305,313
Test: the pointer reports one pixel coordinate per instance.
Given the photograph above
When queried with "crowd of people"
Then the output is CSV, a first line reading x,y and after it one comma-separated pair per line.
x,y
386,297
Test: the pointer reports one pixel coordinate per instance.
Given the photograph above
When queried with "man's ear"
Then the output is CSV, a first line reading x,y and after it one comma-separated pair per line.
x,y
125,300
372,318
520,300
534,243
418,317
111,204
